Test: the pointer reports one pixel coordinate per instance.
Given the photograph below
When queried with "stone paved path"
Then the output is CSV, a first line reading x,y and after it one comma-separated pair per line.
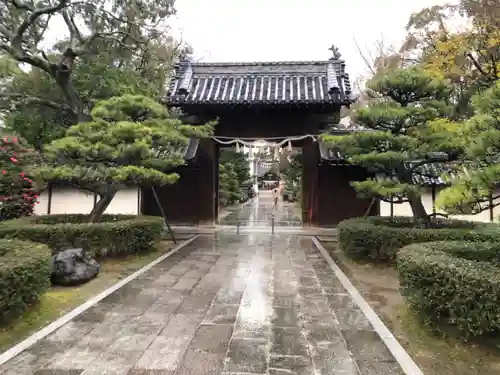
x,y
226,304
259,211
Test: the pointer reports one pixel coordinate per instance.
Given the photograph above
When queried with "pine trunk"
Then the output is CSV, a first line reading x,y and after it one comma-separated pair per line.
x,y
418,209
101,205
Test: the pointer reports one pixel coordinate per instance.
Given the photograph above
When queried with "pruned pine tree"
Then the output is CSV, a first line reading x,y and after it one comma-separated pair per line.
x,y
406,130
130,141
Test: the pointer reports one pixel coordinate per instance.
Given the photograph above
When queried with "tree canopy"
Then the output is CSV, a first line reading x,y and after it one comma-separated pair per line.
x,y
234,173
479,176
468,56
108,49
240,162
131,140
405,129
87,100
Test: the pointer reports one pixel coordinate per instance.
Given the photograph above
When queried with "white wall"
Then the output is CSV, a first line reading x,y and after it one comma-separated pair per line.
x,y
73,201
404,209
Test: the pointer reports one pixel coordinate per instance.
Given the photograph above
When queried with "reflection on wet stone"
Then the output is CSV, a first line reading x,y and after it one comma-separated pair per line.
x,y
221,314
280,365
284,317
185,283
341,366
226,304
165,281
366,345
288,341
164,354
248,356
212,338
285,300
53,372
259,211
95,314
348,315
70,333
230,295
321,332
379,368
125,292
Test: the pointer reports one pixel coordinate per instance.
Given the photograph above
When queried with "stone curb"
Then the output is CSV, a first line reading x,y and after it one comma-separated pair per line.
x,y
399,353
47,330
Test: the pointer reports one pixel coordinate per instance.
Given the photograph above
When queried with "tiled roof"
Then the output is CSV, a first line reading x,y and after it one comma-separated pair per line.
x,y
186,151
191,149
427,174
299,82
424,175
329,153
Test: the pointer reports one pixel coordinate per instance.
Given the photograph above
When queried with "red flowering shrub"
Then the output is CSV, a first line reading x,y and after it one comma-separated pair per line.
x,y
17,190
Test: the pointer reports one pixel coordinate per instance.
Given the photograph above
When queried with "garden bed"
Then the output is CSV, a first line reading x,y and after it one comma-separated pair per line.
x,y
378,238
434,353
59,300
114,235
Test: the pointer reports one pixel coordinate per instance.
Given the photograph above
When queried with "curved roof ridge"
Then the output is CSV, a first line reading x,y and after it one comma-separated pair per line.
x,y
252,63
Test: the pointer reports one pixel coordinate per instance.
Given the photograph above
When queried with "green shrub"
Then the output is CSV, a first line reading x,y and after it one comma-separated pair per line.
x,y
25,269
453,282
378,238
114,235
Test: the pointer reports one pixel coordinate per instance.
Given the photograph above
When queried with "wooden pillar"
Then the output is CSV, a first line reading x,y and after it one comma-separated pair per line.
x,y
433,199
193,198
139,201
392,207
208,163
49,203
216,182
310,160
492,218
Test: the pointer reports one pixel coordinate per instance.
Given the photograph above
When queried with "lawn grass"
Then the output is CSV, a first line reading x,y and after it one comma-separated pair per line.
x,y
434,353
59,300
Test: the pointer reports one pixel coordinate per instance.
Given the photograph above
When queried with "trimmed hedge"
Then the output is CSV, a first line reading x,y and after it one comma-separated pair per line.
x,y
25,269
379,238
454,282
114,235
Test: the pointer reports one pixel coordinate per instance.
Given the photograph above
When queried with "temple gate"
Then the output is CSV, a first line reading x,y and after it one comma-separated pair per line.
x,y
259,100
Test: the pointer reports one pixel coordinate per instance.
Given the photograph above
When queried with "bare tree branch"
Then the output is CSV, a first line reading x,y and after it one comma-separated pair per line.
x,y
8,100
129,29
32,18
367,62
74,33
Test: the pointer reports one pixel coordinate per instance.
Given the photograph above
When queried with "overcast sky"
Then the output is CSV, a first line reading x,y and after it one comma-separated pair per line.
x,y
263,30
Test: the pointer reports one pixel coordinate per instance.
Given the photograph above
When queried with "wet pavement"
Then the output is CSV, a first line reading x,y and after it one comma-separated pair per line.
x,y
226,304
259,211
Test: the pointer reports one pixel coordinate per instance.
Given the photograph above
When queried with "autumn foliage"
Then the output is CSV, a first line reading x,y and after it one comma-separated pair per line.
x,y
18,194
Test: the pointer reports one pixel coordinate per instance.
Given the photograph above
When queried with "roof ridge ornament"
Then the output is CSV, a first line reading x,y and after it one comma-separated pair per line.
x,y
335,51
185,79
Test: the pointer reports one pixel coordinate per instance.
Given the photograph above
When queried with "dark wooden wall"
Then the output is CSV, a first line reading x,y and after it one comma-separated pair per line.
x,y
338,198
327,197
310,161
191,200
265,122
261,125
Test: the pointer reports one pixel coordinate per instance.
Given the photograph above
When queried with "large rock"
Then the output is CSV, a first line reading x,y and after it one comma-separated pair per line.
x,y
73,267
